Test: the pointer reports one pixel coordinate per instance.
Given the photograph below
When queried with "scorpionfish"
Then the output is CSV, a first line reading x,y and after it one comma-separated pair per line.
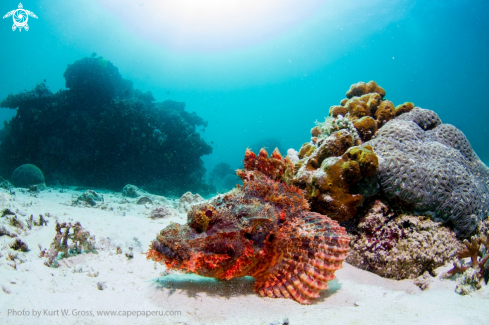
x,y
262,229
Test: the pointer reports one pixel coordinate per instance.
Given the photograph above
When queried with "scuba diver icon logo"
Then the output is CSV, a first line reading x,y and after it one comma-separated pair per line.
x,y
20,17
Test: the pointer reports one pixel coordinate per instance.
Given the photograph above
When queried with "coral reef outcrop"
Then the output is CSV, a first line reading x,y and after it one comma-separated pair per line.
x,y
103,133
421,165
96,79
399,246
262,229
416,182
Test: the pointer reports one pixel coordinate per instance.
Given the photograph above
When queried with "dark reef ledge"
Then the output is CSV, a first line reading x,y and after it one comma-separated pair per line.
x,y
102,132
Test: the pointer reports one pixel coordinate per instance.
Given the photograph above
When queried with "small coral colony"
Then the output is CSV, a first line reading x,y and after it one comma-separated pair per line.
x,y
406,186
390,189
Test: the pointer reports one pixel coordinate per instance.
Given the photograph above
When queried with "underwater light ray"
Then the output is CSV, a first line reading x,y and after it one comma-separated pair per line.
x,y
193,25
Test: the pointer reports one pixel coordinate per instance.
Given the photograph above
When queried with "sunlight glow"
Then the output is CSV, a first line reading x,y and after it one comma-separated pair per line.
x,y
211,25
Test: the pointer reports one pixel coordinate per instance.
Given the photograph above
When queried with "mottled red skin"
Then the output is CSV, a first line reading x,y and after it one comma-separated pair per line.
x,y
263,229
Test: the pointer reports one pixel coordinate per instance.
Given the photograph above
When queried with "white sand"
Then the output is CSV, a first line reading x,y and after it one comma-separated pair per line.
x,y
138,284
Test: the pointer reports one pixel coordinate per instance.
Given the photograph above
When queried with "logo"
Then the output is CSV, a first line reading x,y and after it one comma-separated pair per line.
x,y
20,17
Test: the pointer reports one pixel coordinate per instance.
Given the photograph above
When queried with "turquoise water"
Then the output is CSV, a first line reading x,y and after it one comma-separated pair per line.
x,y
256,71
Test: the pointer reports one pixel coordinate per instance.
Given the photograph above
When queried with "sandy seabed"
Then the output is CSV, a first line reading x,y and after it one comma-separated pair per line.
x,y
33,293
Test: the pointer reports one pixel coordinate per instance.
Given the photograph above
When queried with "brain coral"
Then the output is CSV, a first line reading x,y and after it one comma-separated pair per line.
x,y
262,229
432,167
27,175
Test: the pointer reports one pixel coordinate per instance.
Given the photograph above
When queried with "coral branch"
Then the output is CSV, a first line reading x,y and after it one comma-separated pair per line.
x,y
471,276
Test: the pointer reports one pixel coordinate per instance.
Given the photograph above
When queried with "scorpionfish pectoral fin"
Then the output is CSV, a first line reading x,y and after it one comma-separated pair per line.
x,y
307,251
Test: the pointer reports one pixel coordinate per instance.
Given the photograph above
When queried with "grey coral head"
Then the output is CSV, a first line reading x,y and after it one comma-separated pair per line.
x,y
432,167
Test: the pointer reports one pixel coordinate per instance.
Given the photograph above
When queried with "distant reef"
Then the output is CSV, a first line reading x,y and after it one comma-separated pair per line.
x,y
102,132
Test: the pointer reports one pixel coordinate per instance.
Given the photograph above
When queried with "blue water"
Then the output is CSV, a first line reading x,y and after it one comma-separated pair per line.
x,y
257,71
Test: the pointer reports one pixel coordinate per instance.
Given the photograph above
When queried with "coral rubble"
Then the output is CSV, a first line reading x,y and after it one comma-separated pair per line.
x,y
144,200
187,200
262,229
19,245
131,191
163,211
423,281
90,198
70,239
399,246
101,132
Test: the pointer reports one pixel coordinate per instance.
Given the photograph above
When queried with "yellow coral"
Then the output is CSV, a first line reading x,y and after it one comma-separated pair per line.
x,y
306,150
384,113
362,88
316,131
366,127
336,110
366,158
357,109
404,108
372,100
